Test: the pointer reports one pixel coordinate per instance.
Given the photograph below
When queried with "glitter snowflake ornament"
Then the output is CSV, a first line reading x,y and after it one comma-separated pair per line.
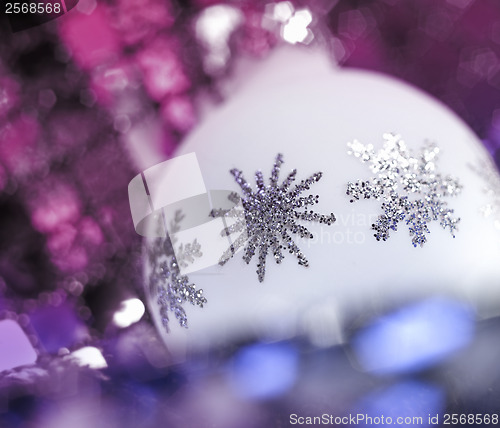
x,y
269,217
166,282
410,188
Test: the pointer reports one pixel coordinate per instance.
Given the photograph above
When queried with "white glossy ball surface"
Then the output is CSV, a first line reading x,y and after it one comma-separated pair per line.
x,y
298,104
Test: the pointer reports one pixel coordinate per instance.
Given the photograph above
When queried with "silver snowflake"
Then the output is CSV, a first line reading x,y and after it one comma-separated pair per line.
x,y
171,288
268,217
488,172
411,189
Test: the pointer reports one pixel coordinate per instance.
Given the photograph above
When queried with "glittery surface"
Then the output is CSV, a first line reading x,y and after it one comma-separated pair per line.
x,y
165,280
269,217
410,188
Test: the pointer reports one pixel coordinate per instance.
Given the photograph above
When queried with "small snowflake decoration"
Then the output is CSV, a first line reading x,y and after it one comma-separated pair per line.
x,y
411,189
165,280
488,172
269,216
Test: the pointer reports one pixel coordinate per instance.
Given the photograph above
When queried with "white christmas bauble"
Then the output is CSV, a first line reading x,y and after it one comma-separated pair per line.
x,y
296,103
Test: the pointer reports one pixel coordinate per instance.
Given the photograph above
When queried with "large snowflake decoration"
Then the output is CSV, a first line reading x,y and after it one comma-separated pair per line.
x,y
411,189
171,288
268,217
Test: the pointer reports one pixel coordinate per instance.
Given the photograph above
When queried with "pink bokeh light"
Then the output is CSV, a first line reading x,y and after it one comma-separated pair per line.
x,y
89,37
52,209
17,142
163,72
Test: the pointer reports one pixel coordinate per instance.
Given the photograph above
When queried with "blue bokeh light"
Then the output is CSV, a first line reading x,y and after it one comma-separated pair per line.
x,y
414,337
263,371
57,327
